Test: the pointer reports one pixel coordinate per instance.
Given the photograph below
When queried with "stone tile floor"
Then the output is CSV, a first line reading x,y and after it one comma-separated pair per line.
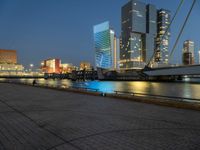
x,y
33,118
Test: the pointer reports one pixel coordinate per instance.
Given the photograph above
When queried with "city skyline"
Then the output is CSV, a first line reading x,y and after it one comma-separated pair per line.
x,y
40,29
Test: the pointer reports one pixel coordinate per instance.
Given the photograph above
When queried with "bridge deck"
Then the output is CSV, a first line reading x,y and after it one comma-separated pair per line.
x,y
178,70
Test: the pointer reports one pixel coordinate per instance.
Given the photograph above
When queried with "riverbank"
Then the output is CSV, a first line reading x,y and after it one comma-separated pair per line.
x,y
39,118
170,101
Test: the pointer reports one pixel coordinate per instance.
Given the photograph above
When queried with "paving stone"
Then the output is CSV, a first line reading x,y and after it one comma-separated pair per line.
x,y
42,119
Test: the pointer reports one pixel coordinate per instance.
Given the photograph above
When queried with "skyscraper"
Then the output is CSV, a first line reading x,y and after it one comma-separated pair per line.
x,y
151,32
139,29
188,52
105,46
162,41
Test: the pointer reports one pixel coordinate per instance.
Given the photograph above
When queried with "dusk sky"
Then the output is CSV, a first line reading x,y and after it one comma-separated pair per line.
x,y
41,29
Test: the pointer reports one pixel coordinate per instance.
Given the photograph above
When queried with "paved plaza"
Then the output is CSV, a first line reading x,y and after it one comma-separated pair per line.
x,y
34,118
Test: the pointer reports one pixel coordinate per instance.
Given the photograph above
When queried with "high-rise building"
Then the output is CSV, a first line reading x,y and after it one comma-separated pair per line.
x,y
117,53
105,46
151,34
188,52
163,35
138,32
8,56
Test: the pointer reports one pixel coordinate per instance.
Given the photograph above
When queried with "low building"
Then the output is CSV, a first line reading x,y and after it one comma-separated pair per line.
x,y
85,66
8,62
8,56
51,66
11,67
67,68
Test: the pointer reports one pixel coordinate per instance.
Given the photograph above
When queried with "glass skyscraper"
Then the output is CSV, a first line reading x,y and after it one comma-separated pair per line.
x,y
162,41
139,29
105,46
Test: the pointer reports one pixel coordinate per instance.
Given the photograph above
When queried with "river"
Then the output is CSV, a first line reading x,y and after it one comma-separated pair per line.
x,y
177,89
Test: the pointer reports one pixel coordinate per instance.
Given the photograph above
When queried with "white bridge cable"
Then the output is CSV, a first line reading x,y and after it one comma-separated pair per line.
x,y
166,32
182,29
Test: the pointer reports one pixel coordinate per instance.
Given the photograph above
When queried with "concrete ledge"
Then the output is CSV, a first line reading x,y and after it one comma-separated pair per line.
x,y
141,99
159,101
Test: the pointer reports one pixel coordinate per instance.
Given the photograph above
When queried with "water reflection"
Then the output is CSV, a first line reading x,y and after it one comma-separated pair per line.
x,y
187,90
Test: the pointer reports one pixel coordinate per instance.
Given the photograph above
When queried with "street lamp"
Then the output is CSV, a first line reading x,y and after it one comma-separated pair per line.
x,y
31,67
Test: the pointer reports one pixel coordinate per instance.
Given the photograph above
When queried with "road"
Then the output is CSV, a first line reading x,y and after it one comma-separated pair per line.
x,y
34,118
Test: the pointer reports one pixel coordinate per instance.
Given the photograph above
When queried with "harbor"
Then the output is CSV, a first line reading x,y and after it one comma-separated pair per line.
x,y
99,75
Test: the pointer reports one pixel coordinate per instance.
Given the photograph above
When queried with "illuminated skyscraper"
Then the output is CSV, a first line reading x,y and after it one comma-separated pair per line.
x,y
139,29
162,41
105,46
188,53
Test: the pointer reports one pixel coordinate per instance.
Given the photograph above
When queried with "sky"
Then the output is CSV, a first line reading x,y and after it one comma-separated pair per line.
x,y
42,29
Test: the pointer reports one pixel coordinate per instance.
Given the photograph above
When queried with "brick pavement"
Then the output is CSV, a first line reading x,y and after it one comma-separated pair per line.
x,y
42,119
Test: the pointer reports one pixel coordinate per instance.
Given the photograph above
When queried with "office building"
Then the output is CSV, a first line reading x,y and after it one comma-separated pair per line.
x,y
8,62
85,66
8,56
188,53
11,67
105,46
138,33
162,41
116,56
66,68
51,66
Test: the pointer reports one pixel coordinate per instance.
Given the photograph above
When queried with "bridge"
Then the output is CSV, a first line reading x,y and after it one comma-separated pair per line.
x,y
173,71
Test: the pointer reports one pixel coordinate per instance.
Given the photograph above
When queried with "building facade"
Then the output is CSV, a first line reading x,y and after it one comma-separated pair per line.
x,y
8,56
66,68
105,46
51,66
188,53
138,33
85,66
162,41
8,62
11,67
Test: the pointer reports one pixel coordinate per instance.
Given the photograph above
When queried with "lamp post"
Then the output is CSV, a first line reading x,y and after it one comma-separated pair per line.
x,y
31,67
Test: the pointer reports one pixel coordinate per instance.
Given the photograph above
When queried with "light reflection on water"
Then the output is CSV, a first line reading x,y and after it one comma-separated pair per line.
x,y
187,90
